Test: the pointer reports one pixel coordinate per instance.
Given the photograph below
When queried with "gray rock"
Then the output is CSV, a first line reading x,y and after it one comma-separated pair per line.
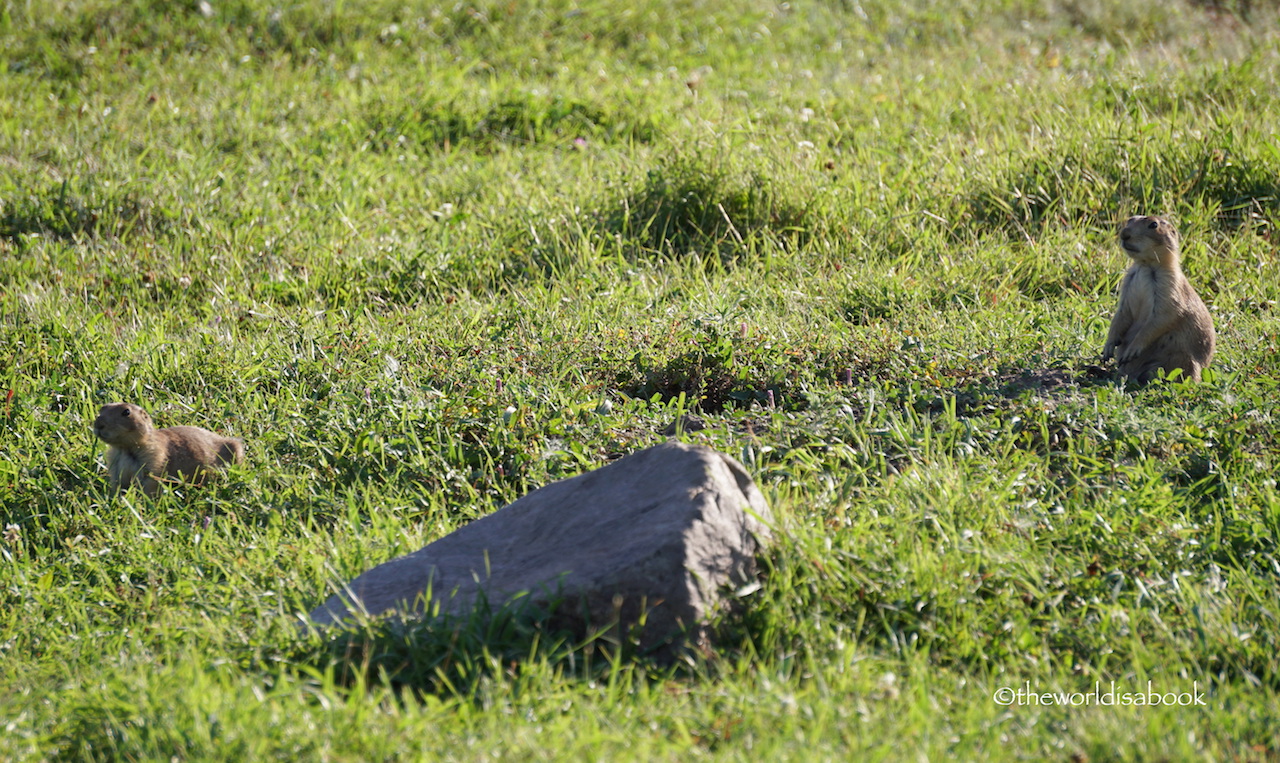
x,y
658,534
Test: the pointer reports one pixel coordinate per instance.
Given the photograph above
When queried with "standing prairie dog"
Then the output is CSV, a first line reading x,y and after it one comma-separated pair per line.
x,y
140,452
1160,323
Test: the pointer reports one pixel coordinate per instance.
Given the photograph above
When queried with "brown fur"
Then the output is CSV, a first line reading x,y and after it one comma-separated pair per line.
x,y
1160,323
141,453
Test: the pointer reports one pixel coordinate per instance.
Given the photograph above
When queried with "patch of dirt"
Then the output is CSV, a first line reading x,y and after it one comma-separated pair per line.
x,y
1052,380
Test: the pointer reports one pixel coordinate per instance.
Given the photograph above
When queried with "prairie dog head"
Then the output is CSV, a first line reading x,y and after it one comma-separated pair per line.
x,y
123,425
1150,240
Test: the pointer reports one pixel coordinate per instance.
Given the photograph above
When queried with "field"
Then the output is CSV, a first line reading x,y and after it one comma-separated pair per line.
x,y
425,258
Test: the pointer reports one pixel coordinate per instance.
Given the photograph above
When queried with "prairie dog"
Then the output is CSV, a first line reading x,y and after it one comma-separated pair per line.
x,y
1160,322
141,453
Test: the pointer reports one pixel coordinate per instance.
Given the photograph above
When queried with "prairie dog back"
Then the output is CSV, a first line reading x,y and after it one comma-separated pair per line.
x,y
141,453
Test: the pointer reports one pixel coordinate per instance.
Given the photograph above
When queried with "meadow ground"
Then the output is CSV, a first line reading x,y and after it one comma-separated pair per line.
x,y
425,258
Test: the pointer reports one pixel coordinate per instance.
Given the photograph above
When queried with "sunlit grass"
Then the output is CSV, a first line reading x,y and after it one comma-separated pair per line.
x,y
426,260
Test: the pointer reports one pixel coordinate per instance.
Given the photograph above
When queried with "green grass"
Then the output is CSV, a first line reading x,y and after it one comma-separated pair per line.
x,y
426,259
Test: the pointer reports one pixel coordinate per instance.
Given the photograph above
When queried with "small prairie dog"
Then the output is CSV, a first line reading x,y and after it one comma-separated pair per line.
x,y
1160,322
140,452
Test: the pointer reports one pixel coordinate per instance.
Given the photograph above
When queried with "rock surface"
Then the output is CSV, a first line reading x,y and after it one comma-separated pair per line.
x,y
657,534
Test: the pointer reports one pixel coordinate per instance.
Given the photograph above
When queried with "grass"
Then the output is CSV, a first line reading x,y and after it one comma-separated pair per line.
x,y
425,260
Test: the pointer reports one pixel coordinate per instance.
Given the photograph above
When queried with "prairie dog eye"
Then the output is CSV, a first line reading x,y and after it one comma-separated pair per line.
x,y
1153,225
125,413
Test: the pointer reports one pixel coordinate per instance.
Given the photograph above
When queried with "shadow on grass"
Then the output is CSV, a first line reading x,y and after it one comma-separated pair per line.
x,y
455,654
70,213
1085,184
699,206
723,373
516,120
1047,380
702,376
